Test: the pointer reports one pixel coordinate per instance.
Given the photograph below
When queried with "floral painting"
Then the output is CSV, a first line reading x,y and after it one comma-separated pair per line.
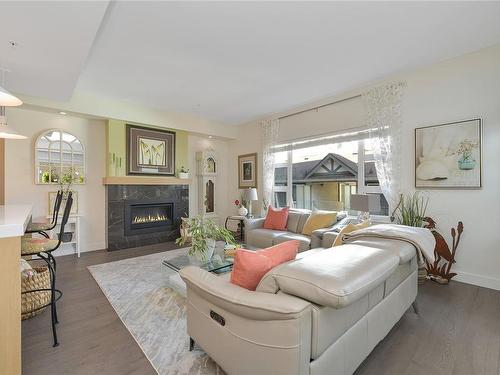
x,y
449,155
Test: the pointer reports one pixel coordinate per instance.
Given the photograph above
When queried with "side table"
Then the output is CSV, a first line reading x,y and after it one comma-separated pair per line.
x,y
241,225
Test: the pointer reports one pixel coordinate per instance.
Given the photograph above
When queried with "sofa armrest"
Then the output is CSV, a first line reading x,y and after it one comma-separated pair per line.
x,y
240,301
251,224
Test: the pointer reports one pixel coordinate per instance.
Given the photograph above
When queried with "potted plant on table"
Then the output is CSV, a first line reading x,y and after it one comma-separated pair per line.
x,y
184,173
203,233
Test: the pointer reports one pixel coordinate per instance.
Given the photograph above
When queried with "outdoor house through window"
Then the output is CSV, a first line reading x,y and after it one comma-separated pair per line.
x,y
322,172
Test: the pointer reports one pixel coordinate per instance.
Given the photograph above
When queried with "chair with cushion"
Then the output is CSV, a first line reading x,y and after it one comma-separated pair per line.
x,y
43,248
43,227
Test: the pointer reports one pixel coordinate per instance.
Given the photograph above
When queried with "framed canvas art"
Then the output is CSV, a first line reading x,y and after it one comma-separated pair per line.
x,y
449,156
150,151
247,171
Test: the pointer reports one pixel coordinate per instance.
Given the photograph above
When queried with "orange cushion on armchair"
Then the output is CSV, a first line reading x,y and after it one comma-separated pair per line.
x,y
250,266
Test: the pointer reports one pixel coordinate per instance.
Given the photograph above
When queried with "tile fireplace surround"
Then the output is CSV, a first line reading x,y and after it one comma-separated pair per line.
x,y
118,197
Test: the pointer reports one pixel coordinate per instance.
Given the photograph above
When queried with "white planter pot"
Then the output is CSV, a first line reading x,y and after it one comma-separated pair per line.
x,y
242,211
184,175
209,252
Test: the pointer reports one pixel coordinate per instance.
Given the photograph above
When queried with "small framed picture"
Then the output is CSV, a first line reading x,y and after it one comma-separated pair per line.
x,y
449,156
247,171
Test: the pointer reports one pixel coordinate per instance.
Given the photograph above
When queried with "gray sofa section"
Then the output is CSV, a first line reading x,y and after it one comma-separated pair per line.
x,y
258,237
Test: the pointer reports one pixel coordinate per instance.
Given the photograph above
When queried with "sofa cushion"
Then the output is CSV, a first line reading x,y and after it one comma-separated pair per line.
x,y
337,277
318,220
405,250
348,229
302,221
304,241
293,221
281,253
262,238
268,285
276,219
250,266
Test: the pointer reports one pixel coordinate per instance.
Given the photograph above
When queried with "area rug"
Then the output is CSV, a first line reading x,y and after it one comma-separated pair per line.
x,y
155,314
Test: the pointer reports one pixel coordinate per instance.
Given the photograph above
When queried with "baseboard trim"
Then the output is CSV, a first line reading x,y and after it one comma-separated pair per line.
x,y
474,279
88,247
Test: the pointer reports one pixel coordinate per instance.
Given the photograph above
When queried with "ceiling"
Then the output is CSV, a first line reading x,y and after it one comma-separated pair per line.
x,y
230,61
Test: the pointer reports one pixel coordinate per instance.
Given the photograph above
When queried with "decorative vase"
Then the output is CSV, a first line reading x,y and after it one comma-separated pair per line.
x,y
242,211
184,175
207,255
466,163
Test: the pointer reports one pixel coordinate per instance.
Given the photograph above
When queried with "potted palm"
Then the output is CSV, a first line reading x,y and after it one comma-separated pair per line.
x,y
203,233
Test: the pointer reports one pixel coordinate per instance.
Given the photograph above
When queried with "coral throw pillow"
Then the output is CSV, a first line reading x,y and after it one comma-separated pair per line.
x,y
348,229
318,220
249,267
276,219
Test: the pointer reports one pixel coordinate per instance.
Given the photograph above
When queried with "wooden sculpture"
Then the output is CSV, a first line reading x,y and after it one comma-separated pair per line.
x,y
439,270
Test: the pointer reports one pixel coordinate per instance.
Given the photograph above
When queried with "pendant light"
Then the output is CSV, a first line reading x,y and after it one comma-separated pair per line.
x,y
7,100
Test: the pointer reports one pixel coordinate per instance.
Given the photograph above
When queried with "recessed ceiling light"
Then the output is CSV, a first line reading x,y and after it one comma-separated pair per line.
x,y
210,137
62,113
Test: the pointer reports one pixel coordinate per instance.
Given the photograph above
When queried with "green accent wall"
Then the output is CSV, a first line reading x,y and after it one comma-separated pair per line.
x,y
116,147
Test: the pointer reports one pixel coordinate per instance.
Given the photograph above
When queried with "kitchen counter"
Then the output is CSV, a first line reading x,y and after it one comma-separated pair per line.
x,y
13,219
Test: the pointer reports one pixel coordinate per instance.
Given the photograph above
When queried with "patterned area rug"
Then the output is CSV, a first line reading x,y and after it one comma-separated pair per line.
x,y
155,314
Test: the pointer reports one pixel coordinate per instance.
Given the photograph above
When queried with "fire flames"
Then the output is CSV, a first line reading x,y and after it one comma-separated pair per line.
x,y
149,219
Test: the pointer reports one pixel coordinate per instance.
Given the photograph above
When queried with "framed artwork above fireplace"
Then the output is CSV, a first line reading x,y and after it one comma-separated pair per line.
x,y
150,151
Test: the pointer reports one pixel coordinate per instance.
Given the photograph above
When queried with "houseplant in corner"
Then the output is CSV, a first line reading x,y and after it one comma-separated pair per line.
x,y
203,233
411,211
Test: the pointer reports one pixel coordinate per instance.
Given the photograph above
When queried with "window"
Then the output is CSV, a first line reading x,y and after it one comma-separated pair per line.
x,y
59,155
323,172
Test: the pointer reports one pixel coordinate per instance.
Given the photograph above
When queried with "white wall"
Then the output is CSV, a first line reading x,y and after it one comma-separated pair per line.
x,y
462,88
19,170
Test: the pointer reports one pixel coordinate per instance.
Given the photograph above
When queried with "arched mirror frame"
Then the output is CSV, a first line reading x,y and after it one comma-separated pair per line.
x,y
60,163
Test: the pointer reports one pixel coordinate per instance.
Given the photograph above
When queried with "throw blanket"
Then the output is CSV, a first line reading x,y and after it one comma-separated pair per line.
x,y
421,238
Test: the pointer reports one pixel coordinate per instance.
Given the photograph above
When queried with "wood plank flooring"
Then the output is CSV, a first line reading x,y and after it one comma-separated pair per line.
x,y
456,332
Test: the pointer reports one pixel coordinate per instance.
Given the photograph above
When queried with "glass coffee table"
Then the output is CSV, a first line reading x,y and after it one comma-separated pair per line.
x,y
218,263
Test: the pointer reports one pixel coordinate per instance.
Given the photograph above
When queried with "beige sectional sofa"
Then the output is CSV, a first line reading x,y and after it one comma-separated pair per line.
x,y
321,313
257,236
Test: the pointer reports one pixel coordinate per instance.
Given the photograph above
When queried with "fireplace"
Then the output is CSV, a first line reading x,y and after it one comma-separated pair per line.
x,y
150,217
140,215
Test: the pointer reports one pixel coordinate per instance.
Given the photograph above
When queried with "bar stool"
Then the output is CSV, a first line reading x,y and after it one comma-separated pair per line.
x,y
42,228
43,248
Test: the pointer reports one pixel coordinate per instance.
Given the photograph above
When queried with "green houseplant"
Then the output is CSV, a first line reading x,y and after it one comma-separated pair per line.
x,y
203,232
411,209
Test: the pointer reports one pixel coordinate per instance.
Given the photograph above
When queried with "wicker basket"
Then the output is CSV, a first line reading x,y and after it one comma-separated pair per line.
x,y
31,301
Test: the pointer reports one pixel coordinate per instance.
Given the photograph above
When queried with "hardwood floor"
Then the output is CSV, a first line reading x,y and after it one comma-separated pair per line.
x,y
92,338
456,332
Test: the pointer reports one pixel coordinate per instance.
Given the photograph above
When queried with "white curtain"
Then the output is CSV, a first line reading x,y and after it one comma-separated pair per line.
x,y
270,130
383,106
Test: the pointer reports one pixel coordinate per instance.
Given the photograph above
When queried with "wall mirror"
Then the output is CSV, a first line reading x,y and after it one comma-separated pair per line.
x,y
59,156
